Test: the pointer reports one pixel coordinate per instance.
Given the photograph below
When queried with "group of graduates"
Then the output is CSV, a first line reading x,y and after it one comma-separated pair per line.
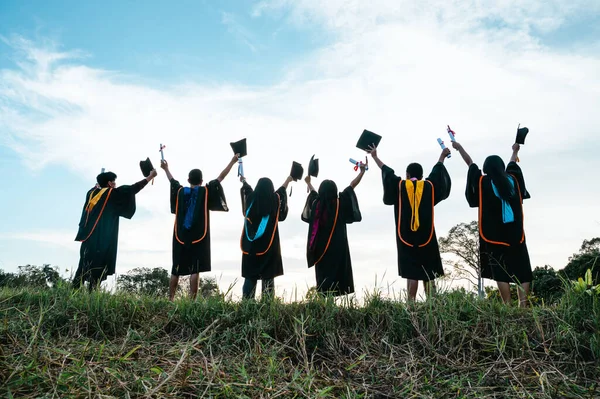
x,y
498,191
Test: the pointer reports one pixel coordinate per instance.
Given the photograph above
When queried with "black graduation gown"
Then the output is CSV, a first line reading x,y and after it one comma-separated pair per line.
x,y
502,247
330,253
261,259
191,248
418,252
99,230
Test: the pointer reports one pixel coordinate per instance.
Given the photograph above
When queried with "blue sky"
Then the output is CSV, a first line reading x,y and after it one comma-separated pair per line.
x,y
85,85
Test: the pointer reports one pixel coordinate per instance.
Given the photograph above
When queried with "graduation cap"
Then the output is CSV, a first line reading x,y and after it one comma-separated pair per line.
x,y
239,147
521,134
367,139
313,167
146,167
297,171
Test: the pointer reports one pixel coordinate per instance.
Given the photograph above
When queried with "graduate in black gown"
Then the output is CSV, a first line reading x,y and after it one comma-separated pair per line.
x,y
414,199
191,232
327,214
99,227
499,192
263,208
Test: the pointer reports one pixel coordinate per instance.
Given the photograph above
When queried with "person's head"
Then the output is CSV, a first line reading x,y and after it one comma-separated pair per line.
x,y
414,171
195,177
106,179
328,190
494,167
262,197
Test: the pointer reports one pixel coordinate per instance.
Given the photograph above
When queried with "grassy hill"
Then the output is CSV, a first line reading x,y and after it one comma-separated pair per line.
x,y
58,344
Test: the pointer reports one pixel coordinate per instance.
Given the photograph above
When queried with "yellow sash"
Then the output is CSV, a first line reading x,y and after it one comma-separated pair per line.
x,y
415,201
94,200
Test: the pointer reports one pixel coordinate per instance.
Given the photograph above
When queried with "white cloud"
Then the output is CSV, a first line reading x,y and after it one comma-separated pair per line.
x,y
402,69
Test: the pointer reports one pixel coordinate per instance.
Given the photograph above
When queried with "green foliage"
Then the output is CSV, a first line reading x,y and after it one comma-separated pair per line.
x,y
145,281
60,343
547,284
587,258
586,285
30,276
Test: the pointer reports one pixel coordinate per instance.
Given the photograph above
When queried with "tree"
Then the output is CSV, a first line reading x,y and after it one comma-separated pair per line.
x,y
207,287
155,282
462,242
547,284
587,258
31,276
145,281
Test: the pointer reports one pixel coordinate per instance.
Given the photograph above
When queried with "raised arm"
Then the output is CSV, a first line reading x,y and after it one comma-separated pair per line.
x,y
373,152
227,169
287,182
444,155
308,183
358,178
515,155
165,166
466,157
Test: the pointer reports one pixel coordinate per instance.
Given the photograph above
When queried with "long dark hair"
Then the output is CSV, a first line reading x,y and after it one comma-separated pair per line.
x,y
494,167
328,194
328,191
262,198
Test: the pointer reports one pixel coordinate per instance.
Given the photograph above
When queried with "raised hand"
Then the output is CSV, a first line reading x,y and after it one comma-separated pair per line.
x,y
363,166
372,151
164,165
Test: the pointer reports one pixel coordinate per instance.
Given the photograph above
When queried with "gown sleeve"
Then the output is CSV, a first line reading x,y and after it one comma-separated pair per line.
x,y
442,184
245,193
124,198
307,213
513,169
349,206
283,206
472,191
391,183
175,186
216,196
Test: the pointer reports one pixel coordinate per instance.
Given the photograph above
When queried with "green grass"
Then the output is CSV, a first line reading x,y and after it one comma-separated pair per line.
x,y
58,344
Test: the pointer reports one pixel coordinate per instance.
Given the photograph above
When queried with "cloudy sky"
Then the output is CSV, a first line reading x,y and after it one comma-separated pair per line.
x,y
91,85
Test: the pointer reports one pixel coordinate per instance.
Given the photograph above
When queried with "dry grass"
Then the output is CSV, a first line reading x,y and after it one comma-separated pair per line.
x,y
59,344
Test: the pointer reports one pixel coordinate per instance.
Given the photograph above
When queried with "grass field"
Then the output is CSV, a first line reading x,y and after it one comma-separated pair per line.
x,y
58,344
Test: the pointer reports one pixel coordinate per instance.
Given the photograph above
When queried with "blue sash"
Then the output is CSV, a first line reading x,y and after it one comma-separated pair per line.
x,y
507,211
191,196
261,227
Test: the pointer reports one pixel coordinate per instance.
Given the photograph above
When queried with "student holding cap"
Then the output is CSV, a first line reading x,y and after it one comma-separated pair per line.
x,y
99,225
191,232
414,199
499,192
263,208
327,212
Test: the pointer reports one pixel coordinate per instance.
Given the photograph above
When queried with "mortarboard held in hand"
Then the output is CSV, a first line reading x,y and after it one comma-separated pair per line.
x,y
146,167
521,135
367,139
313,169
239,147
296,173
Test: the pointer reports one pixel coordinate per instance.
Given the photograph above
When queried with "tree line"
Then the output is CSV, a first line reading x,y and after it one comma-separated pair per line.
x,y
460,248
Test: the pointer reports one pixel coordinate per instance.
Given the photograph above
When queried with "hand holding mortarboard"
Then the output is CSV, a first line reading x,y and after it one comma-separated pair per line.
x,y
296,173
240,151
521,135
148,169
368,139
